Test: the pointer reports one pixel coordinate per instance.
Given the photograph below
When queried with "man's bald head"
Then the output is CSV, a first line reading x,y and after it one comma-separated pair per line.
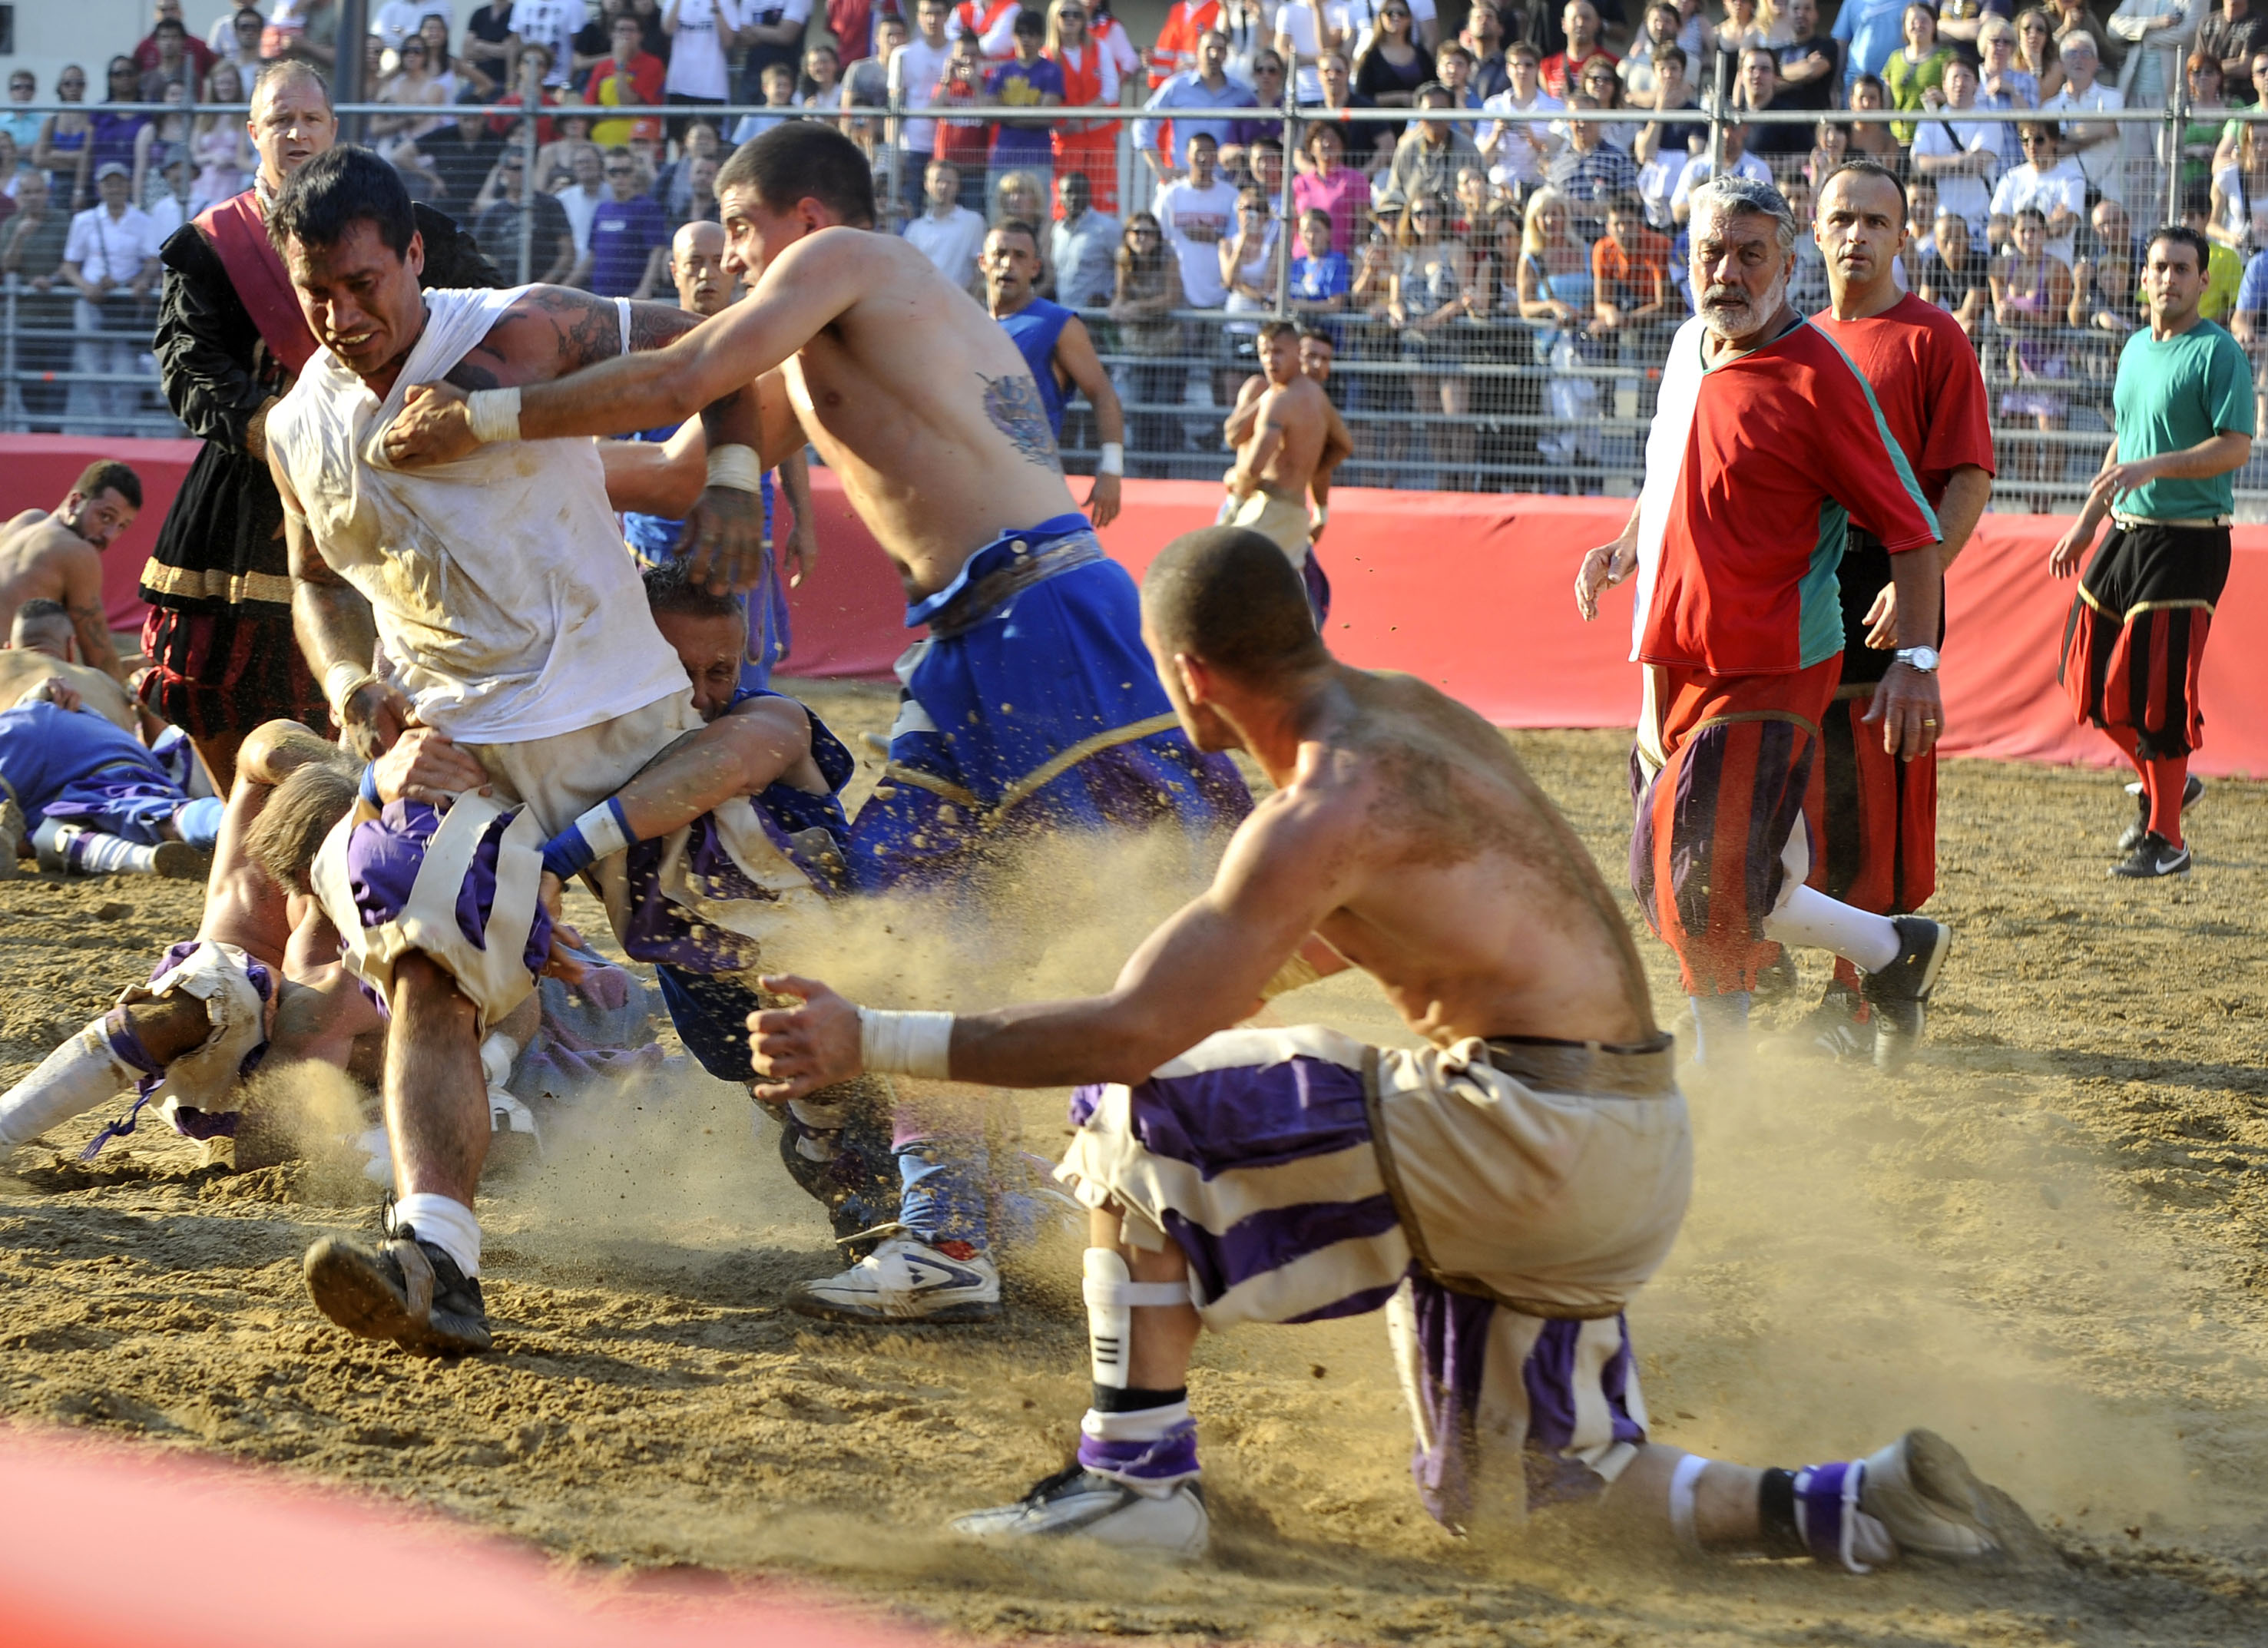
x,y
1230,599
697,269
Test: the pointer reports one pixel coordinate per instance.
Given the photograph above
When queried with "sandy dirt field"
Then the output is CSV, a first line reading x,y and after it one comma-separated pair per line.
x,y
2048,1240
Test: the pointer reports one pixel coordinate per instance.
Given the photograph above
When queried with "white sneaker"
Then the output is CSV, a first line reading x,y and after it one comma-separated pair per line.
x,y
1075,1500
904,1281
1931,1504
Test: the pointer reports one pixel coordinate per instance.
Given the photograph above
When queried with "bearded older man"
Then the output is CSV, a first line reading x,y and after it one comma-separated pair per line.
x,y
1766,446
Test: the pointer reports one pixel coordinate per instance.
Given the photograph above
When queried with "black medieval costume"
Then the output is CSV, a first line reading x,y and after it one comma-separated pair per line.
x,y
231,337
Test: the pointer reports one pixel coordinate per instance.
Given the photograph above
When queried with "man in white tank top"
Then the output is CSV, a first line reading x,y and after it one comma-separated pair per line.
x,y
497,592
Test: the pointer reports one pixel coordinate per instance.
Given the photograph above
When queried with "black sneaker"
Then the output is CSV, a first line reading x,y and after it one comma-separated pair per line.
x,y
2193,793
1832,1030
2153,856
407,1290
1899,993
1778,979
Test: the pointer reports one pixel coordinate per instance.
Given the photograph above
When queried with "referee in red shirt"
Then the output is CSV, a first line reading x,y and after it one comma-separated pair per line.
x,y
1874,815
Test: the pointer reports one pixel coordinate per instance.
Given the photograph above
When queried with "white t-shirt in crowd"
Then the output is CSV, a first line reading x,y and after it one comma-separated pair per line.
x,y
1699,170
1515,159
1195,221
116,248
1299,20
581,207
697,62
397,20
1967,193
2062,184
551,24
2103,163
916,67
952,242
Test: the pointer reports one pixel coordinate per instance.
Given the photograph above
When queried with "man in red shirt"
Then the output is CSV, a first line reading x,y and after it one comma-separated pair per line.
x,y
631,76
1186,22
1563,70
1765,445
1877,816
147,53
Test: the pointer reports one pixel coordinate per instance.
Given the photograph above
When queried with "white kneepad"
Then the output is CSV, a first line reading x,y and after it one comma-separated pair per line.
x,y
1112,1293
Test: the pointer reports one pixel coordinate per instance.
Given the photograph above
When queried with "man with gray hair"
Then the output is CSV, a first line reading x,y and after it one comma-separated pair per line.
x,y
1766,445
2097,146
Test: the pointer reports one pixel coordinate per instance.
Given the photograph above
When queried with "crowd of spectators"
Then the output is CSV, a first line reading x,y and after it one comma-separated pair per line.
x,y
1548,252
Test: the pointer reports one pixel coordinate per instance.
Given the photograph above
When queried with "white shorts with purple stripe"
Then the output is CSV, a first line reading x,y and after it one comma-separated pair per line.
x,y
1503,1224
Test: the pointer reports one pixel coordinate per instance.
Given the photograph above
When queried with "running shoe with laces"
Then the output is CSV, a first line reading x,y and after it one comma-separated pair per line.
x,y
1171,1519
2153,856
404,1290
1921,1492
904,1281
2193,793
1899,993
1839,1028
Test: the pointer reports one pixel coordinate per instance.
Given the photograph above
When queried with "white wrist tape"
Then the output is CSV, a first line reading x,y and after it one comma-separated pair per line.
x,y
1112,461
738,468
906,1044
602,827
1323,513
342,682
494,414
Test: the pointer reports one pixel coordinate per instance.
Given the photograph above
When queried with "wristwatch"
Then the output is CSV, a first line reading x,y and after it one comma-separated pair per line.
x,y
1923,659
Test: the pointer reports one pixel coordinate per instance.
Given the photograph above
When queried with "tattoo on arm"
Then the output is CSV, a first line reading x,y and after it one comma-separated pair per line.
x,y
566,330
93,628
1014,406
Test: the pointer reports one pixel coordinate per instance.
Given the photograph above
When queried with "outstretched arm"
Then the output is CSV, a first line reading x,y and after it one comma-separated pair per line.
x,y
1198,974
803,290
1075,354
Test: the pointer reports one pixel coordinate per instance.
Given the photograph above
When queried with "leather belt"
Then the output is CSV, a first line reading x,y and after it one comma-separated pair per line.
x,y
981,598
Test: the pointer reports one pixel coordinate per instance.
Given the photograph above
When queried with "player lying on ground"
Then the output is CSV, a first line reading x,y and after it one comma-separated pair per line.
x,y
1503,1191
261,983
84,795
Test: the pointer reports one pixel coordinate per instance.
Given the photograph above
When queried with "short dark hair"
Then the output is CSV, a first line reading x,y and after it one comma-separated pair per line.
x,y
804,160
339,187
178,28
1017,226
1308,329
2181,234
670,588
299,813
1873,169
1028,21
1270,330
107,474
1230,597
1673,53
39,609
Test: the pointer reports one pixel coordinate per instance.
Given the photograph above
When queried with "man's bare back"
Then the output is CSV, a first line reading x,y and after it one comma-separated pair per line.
x,y
1403,838
915,397
42,559
1299,415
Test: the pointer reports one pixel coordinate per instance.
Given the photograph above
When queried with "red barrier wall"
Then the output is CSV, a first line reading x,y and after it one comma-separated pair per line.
x,y
1468,590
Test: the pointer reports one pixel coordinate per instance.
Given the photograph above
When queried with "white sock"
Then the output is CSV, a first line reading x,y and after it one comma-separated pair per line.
x,y
73,847
73,1080
448,1223
1812,921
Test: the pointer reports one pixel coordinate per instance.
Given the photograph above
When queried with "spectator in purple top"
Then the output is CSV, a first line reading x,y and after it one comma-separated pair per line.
x,y
629,239
1027,80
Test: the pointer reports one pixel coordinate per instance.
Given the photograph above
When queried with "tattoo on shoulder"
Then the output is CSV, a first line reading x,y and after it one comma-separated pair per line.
x,y
554,326
1014,406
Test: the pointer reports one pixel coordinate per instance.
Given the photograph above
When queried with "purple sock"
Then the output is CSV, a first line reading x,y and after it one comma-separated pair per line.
x,y
1151,1448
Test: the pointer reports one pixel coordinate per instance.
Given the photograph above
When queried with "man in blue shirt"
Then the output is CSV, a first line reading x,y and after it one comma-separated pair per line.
x,y
1054,344
1872,30
1207,86
89,798
1026,80
629,241
2135,645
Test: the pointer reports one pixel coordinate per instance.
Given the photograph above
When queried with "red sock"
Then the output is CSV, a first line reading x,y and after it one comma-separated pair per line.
x,y
2125,738
2165,780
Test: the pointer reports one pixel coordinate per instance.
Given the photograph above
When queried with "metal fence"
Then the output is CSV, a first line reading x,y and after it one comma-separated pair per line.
x,y
1491,400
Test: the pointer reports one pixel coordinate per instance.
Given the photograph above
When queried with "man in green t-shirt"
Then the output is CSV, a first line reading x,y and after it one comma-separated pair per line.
x,y
2136,639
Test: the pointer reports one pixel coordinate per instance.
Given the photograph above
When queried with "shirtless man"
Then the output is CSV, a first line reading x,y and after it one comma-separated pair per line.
x,y
1289,437
513,623
57,555
260,982
1031,705
1503,1191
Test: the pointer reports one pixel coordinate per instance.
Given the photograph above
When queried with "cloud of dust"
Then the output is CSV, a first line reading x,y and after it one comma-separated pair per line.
x,y
1841,1278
